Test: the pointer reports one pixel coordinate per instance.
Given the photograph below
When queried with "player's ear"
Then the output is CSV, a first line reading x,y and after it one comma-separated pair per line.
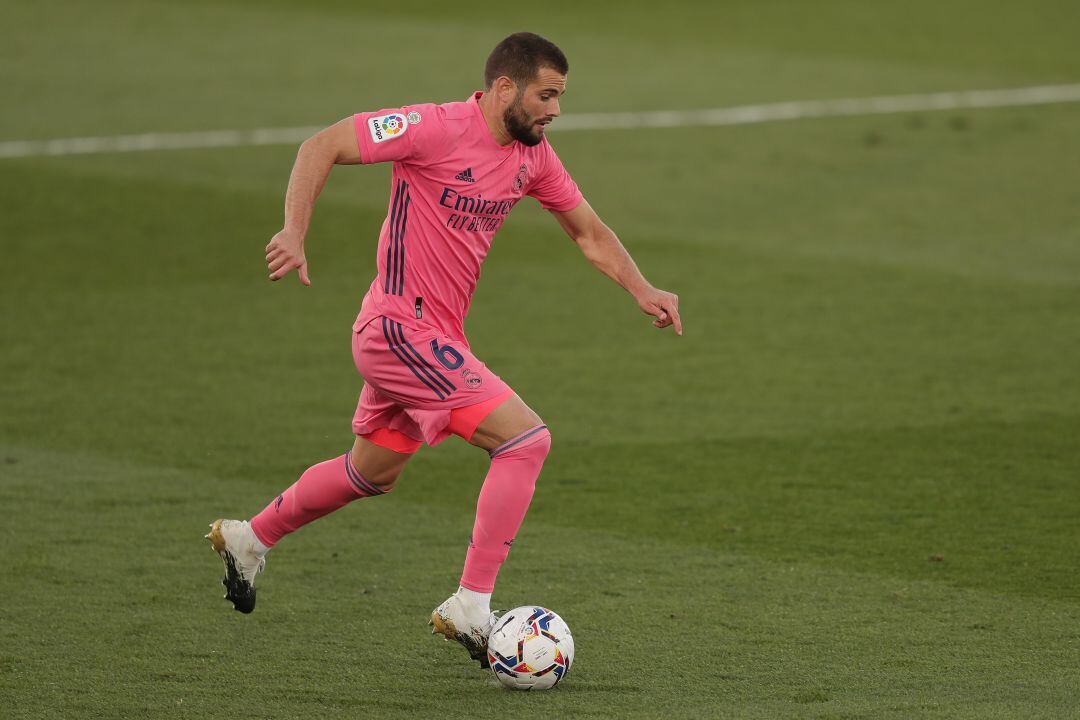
x,y
505,88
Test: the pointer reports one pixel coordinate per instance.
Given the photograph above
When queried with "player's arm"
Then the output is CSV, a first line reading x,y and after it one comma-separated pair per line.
x,y
602,248
318,154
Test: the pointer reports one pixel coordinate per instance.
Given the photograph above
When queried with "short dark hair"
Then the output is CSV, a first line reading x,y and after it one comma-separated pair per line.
x,y
521,56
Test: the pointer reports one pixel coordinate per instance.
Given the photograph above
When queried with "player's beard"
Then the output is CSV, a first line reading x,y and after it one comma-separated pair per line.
x,y
520,126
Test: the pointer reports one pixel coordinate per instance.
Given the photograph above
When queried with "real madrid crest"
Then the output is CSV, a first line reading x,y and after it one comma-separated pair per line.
x,y
521,178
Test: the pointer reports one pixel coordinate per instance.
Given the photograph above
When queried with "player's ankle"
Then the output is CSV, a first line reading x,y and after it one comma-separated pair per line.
x,y
259,547
476,601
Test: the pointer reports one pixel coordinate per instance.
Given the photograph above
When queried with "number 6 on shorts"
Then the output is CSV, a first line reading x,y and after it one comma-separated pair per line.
x,y
450,358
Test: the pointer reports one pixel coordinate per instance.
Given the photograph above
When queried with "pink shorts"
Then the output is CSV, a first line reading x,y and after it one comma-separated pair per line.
x,y
414,380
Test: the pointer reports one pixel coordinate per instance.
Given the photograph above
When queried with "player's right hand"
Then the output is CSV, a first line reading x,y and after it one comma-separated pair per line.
x,y
284,253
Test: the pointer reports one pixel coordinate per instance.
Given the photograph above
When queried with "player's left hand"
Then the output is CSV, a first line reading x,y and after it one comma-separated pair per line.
x,y
663,306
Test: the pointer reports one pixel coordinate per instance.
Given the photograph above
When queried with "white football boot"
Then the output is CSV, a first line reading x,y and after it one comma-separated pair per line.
x,y
235,541
461,620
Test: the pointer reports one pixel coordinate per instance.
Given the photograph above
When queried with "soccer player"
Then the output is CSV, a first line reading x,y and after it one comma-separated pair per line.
x,y
458,169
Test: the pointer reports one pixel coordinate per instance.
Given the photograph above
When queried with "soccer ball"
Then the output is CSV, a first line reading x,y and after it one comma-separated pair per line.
x,y
531,648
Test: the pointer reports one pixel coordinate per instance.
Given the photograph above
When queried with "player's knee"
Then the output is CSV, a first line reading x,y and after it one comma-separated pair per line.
x,y
379,457
544,443
385,480
533,444
382,477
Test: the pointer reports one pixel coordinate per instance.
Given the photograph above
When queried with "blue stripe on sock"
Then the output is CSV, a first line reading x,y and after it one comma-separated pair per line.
x,y
517,441
358,480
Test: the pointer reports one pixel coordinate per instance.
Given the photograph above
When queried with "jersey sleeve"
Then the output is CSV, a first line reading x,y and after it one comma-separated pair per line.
x,y
553,186
405,134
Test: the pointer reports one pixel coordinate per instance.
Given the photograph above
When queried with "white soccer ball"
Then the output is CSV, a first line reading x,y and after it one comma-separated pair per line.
x,y
530,648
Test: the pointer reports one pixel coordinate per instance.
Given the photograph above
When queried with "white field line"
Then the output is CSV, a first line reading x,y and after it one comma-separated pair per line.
x,y
738,115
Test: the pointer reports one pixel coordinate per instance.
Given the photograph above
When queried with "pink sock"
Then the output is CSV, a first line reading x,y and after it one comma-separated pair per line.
x,y
322,489
504,498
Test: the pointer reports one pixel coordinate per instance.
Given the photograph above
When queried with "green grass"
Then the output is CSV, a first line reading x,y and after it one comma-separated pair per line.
x,y
848,491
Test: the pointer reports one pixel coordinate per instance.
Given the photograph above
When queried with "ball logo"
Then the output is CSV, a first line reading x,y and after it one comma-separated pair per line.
x,y
387,127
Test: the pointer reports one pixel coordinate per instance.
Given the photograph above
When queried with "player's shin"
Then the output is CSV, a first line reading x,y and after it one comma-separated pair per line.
x,y
504,499
322,489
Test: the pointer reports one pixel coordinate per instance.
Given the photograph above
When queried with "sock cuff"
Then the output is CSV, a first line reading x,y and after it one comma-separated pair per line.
x,y
362,486
486,588
257,531
523,440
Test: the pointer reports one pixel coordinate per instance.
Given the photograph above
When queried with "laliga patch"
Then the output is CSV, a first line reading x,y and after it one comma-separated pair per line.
x,y
387,127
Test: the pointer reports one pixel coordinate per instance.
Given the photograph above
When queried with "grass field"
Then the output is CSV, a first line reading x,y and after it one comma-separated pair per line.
x,y
849,491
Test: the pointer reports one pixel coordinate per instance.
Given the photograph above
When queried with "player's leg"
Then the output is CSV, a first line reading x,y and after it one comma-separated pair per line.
x,y
367,470
518,442
385,439
448,390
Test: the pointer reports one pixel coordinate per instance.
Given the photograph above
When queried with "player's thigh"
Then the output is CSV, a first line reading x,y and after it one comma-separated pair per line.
x,y
377,464
505,422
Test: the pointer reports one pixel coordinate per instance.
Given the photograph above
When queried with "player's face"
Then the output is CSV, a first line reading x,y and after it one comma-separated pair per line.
x,y
535,106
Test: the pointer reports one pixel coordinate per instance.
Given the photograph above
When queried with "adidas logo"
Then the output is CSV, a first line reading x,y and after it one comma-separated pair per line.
x,y
465,175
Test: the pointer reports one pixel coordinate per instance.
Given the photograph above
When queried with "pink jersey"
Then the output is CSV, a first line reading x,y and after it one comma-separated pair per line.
x,y
452,188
